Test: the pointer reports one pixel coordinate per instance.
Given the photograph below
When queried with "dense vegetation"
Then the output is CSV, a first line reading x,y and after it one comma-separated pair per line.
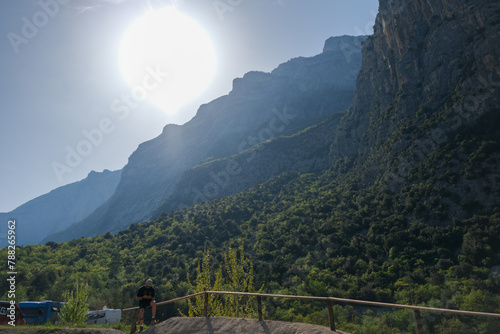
x,y
327,234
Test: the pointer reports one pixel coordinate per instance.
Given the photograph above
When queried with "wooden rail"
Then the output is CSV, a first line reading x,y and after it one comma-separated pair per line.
x,y
329,300
136,308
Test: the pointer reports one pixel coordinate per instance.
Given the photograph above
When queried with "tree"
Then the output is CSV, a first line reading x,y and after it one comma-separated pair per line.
x,y
238,278
203,283
74,311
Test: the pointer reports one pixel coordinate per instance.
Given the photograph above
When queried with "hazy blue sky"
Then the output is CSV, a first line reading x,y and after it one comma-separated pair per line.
x,y
60,74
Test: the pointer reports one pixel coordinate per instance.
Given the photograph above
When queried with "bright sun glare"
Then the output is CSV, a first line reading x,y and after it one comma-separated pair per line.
x,y
173,47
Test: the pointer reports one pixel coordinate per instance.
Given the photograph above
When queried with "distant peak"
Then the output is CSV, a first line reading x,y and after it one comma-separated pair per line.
x,y
169,128
342,43
250,79
94,173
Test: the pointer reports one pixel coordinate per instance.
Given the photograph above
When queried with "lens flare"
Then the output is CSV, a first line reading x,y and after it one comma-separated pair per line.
x,y
174,45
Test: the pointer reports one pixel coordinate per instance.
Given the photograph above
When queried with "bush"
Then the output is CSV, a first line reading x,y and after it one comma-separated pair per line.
x,y
74,311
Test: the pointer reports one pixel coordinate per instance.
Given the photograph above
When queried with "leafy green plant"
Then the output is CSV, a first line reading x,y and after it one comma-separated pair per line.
x,y
203,283
239,278
74,311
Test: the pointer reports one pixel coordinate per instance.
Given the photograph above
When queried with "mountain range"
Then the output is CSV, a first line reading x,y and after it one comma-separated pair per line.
x,y
393,197
260,107
61,207
410,101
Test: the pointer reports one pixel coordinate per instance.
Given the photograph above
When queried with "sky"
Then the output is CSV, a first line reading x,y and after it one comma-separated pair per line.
x,y
69,105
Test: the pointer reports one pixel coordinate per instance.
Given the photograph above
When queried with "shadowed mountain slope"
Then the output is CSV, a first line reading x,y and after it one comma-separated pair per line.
x,y
261,106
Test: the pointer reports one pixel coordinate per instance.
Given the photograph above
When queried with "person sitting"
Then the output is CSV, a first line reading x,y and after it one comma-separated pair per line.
x,y
146,298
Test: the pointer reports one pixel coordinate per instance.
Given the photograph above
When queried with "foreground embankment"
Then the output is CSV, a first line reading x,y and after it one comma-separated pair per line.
x,y
201,325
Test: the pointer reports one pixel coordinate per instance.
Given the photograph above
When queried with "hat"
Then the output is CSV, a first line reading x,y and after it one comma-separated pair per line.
x,y
149,282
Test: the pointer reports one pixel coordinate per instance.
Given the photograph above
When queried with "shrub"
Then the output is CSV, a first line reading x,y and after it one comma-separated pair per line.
x,y
74,311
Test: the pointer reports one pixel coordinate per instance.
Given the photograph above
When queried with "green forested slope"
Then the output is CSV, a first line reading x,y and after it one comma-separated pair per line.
x,y
313,234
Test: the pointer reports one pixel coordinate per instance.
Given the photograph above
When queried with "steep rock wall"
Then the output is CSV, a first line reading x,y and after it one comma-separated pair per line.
x,y
430,77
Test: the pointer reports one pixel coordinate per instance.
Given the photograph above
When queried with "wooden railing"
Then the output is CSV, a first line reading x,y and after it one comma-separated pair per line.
x,y
329,300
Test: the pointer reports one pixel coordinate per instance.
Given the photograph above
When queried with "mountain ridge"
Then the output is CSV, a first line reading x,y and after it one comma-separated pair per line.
x,y
302,152
407,211
61,207
259,107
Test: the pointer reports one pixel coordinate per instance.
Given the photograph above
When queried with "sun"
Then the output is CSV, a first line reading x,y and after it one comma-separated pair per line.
x,y
167,58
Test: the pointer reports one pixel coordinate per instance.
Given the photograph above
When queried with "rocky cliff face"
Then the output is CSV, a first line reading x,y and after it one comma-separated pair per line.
x,y
422,59
61,207
425,113
427,105
261,106
430,76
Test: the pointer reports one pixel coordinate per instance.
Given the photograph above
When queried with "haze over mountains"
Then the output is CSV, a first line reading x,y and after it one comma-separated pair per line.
x,y
411,97
261,106
61,207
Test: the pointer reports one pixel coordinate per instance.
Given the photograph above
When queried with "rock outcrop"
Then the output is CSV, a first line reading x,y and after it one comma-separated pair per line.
x,y
427,104
424,58
221,325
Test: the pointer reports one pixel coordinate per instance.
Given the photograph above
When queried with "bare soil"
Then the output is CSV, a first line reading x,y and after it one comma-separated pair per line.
x,y
42,330
183,325
220,325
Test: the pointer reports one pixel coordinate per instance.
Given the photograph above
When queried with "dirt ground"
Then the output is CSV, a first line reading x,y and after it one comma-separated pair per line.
x,y
223,325
182,325
42,330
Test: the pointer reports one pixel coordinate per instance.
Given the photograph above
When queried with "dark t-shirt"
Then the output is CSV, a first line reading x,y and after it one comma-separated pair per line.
x,y
144,291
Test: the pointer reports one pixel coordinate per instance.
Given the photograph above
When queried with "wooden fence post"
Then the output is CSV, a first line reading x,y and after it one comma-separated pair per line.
x,y
331,316
259,307
205,310
419,329
134,320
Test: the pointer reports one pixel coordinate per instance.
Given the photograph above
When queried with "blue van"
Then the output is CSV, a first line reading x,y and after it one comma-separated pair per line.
x,y
39,313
